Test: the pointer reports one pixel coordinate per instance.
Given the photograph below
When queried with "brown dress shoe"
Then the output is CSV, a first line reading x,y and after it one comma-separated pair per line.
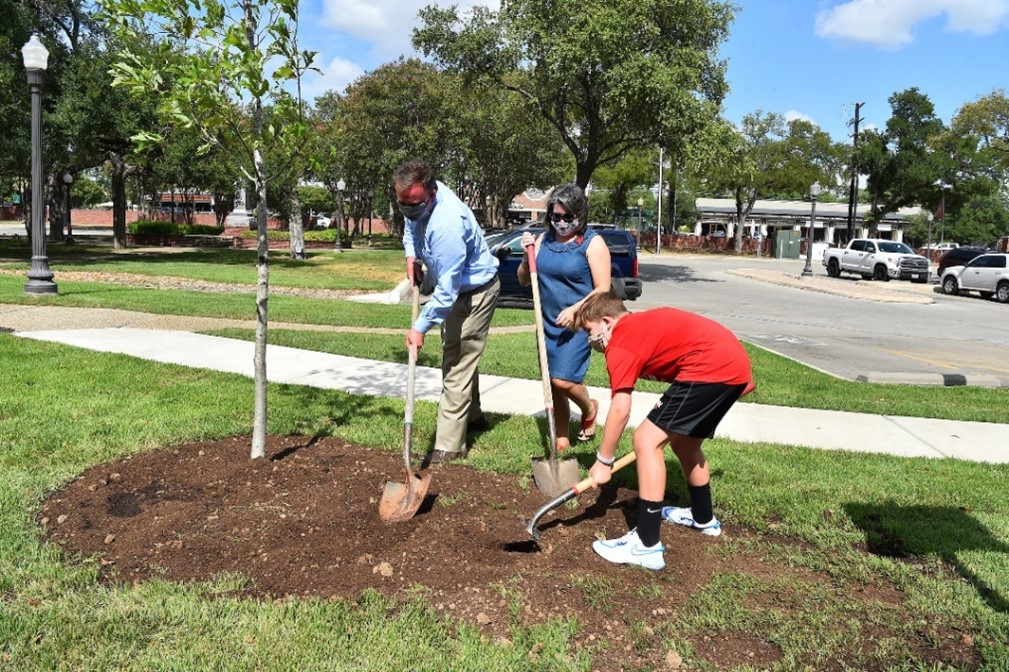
x,y
443,457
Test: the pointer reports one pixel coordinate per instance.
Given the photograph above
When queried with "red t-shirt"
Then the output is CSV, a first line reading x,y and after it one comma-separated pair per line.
x,y
674,345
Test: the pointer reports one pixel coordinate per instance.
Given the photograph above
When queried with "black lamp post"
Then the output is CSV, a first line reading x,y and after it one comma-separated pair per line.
x,y
68,180
40,278
369,220
814,193
340,186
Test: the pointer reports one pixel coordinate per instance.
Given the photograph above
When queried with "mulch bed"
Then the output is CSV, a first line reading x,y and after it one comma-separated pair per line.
x,y
304,522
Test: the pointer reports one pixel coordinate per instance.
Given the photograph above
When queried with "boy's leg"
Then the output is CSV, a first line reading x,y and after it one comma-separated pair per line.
x,y
649,444
697,474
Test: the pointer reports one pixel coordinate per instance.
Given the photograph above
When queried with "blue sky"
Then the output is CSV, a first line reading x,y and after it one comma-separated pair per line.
x,y
800,58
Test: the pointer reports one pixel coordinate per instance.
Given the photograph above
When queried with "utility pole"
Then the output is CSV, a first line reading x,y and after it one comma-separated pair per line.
x,y
853,188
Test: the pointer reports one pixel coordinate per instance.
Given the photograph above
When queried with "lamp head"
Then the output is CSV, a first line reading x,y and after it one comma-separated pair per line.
x,y
35,54
340,184
68,178
641,202
814,190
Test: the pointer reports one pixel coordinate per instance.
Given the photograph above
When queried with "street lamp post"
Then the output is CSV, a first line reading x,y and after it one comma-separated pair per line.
x,y
340,186
68,180
40,278
928,244
369,221
814,193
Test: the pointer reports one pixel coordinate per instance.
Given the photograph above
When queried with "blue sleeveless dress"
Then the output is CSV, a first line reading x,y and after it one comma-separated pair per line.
x,y
565,279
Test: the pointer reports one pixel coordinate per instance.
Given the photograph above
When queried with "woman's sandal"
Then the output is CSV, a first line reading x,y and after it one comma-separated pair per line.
x,y
588,428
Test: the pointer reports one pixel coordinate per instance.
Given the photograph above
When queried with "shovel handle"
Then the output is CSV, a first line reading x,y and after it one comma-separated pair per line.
x,y
574,491
541,345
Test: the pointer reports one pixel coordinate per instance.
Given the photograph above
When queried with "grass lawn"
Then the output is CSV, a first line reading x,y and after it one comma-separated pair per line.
x,y
937,531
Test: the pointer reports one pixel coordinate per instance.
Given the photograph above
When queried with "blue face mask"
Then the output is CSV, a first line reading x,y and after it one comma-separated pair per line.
x,y
415,211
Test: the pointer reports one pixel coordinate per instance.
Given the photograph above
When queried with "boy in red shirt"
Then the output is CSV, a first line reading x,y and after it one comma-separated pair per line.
x,y
707,369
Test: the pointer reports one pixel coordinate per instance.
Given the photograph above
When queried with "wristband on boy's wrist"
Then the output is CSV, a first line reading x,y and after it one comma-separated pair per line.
x,y
607,461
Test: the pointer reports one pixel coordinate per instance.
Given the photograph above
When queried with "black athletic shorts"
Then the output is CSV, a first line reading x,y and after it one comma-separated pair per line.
x,y
694,409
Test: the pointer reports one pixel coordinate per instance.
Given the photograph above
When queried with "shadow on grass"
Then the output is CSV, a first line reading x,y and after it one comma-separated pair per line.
x,y
900,532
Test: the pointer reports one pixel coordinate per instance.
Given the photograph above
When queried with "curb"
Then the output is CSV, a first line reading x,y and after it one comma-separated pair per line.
x,y
856,289
937,379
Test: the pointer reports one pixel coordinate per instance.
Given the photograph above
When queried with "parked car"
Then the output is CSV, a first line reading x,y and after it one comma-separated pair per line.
x,y
986,274
507,246
941,247
958,257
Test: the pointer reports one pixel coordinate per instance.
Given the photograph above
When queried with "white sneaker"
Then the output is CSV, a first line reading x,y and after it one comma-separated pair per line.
x,y
683,516
628,550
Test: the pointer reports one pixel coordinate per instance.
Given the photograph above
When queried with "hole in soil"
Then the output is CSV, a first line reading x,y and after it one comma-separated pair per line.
x,y
529,546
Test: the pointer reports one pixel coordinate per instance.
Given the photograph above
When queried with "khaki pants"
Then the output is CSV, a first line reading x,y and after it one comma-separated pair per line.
x,y
463,335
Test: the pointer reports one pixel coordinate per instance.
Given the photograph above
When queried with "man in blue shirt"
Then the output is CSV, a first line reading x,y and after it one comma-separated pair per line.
x,y
442,232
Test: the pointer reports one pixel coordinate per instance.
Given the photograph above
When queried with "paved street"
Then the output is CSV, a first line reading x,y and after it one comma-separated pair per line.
x,y
860,327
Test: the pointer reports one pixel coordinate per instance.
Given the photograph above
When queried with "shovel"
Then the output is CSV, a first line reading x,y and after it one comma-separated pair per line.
x,y
551,476
571,493
400,501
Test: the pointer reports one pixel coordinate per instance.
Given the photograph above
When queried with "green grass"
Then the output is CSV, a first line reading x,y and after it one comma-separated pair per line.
x,y
938,532
358,271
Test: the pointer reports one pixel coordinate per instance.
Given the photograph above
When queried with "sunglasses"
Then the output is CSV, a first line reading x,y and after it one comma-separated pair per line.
x,y
557,217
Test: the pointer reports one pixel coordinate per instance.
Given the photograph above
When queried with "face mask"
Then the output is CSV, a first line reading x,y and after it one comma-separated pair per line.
x,y
564,228
413,212
600,340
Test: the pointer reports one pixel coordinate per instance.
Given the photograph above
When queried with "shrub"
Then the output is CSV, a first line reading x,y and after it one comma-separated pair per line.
x,y
169,229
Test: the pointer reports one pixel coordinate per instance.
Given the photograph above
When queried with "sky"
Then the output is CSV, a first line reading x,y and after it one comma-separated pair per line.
x,y
809,59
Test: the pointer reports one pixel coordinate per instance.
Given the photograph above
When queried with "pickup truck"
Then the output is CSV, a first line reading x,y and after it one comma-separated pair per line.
x,y
877,260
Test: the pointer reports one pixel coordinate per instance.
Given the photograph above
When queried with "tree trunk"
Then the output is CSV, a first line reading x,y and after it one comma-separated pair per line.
x,y
118,200
297,227
57,206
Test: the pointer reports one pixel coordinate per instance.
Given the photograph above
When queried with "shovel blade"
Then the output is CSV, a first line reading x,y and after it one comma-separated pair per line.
x,y
553,478
400,501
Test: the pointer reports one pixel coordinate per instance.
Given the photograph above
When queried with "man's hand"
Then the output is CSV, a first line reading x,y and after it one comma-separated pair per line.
x,y
415,339
600,473
414,272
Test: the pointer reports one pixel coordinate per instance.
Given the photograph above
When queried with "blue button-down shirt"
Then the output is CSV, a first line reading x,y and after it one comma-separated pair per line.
x,y
452,246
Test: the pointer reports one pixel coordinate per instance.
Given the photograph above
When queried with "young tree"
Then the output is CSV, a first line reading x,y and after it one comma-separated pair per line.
x,y
608,75
218,65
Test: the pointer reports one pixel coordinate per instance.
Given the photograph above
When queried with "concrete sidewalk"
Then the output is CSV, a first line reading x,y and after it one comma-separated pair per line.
x,y
831,430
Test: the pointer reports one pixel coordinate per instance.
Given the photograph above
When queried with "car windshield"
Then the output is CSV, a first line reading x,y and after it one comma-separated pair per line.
x,y
897,248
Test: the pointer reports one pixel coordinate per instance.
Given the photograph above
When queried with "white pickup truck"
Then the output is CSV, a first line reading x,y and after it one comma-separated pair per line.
x,y
876,259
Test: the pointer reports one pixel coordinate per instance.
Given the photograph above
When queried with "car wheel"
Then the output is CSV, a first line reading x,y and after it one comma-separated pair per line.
x,y
949,285
833,268
879,273
1002,292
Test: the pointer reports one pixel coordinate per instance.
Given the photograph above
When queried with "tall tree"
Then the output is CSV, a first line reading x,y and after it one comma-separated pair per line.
x,y
900,162
224,61
608,75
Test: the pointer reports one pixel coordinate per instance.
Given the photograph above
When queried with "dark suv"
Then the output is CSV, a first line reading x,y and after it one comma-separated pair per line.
x,y
507,246
958,257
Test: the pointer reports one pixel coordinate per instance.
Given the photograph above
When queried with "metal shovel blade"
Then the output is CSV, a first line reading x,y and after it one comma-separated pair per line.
x,y
400,501
552,477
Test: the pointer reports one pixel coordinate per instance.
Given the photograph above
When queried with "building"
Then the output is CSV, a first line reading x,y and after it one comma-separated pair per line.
x,y
719,215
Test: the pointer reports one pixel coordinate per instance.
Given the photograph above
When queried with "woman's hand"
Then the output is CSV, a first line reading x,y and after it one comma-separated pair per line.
x,y
528,239
566,317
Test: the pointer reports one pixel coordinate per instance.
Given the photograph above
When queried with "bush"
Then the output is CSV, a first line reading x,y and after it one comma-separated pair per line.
x,y
169,229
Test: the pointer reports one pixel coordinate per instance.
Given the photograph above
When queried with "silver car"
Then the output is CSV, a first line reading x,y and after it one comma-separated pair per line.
x,y
988,275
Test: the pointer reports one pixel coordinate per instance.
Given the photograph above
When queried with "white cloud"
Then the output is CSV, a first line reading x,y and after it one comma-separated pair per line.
x,y
335,76
387,25
792,115
888,24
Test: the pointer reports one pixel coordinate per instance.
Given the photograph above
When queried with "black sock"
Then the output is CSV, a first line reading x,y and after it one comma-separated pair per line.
x,y
649,520
700,503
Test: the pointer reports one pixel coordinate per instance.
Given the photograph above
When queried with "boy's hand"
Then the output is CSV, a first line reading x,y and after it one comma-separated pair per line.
x,y
600,474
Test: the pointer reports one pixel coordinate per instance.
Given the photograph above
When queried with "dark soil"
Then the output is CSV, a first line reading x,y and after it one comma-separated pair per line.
x,y
305,522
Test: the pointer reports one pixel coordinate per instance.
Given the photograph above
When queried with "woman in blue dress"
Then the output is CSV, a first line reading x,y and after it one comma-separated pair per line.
x,y
572,262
